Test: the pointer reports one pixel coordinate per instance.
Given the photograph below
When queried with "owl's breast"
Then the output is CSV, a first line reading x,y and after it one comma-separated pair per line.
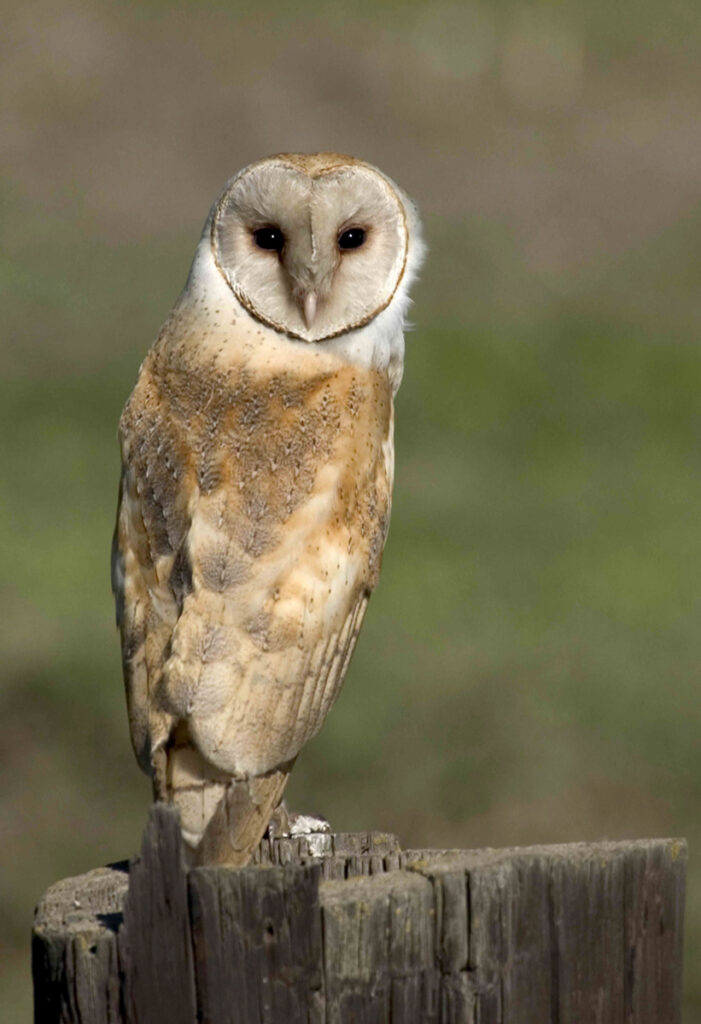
x,y
270,456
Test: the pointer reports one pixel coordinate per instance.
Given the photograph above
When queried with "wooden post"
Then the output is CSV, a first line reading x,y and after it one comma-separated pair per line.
x,y
348,929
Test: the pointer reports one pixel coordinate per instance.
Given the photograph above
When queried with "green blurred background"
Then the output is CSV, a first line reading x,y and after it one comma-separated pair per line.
x,y
529,668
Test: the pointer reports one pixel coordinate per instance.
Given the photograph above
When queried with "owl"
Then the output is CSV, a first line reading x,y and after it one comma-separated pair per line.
x,y
257,464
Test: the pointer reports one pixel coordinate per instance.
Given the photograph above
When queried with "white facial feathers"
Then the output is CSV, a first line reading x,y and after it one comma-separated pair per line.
x,y
315,246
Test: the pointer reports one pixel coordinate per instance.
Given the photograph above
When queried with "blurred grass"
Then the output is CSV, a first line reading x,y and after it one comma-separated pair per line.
x,y
529,668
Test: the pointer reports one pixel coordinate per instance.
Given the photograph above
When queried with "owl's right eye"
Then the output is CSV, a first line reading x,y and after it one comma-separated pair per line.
x,y
270,238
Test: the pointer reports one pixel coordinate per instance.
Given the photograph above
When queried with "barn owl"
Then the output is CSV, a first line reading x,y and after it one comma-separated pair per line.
x,y
257,464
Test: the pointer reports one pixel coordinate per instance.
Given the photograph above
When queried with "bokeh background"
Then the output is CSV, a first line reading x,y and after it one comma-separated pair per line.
x,y
529,669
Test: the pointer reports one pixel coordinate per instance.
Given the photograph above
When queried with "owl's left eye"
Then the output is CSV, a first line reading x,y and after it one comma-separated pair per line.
x,y
351,238
270,238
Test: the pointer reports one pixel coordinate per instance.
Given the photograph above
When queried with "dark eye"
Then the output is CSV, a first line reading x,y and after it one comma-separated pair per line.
x,y
352,238
269,238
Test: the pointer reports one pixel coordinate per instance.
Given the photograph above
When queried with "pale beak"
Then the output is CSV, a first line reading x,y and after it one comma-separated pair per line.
x,y
309,308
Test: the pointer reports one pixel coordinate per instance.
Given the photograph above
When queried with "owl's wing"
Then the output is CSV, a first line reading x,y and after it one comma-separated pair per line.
x,y
218,686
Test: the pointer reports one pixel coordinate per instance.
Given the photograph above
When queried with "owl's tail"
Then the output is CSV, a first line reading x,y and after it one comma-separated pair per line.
x,y
223,819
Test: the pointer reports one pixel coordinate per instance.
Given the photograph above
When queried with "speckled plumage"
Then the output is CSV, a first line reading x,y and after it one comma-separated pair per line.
x,y
254,507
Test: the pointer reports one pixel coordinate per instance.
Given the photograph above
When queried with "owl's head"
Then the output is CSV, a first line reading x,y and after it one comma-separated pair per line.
x,y
315,245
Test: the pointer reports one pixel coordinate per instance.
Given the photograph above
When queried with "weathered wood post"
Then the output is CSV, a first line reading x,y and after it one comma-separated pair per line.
x,y
348,929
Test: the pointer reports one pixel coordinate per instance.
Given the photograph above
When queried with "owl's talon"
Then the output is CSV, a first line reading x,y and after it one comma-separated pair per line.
x,y
308,824
286,824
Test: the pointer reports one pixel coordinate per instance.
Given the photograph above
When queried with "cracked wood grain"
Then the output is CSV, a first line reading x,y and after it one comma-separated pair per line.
x,y
330,929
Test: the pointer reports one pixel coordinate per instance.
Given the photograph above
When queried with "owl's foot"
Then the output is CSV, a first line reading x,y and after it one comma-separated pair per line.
x,y
286,823
308,824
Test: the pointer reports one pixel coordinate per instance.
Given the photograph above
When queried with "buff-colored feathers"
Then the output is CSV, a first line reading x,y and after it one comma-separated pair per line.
x,y
257,472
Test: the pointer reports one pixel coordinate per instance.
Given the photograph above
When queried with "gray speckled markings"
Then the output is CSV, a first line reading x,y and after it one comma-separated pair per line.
x,y
348,929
